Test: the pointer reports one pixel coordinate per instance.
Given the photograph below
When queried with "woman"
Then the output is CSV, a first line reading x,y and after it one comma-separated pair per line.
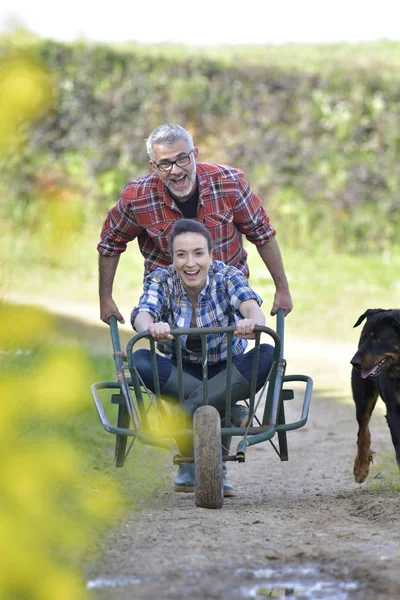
x,y
196,291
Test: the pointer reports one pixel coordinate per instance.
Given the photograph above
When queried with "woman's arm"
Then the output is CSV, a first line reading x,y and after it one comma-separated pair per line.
x,y
253,316
159,331
149,313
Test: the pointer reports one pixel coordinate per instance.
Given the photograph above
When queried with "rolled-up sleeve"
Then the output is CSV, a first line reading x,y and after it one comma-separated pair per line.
x,y
153,297
118,229
239,289
250,216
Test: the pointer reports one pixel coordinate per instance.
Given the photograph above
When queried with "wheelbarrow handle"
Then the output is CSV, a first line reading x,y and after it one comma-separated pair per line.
x,y
280,328
116,342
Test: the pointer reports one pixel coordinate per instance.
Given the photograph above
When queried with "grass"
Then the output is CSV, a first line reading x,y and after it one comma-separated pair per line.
x,y
329,289
384,474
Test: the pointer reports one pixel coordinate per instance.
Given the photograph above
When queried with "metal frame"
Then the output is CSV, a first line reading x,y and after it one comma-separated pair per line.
x,y
132,391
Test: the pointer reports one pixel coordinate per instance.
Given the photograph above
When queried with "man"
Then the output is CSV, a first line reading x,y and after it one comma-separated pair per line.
x,y
181,187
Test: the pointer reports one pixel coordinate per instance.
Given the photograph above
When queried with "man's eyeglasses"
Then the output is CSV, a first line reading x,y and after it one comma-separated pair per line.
x,y
166,166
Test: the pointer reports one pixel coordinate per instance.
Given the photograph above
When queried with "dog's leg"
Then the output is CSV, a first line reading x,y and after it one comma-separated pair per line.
x,y
392,401
365,394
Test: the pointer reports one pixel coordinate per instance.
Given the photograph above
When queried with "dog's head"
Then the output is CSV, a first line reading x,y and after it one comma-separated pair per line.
x,y
379,346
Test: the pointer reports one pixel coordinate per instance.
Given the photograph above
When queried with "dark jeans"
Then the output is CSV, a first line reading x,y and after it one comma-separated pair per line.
x,y
243,363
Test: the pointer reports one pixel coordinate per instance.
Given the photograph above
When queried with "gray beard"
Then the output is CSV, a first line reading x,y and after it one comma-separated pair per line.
x,y
180,193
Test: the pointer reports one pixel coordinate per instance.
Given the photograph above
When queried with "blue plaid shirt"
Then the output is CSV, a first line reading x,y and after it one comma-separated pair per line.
x,y
165,298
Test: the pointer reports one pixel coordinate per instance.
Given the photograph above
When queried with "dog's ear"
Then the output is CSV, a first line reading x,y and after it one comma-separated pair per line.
x,y
368,313
396,323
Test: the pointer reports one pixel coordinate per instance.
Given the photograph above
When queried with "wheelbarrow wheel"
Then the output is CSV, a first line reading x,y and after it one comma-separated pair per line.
x,y
121,440
209,485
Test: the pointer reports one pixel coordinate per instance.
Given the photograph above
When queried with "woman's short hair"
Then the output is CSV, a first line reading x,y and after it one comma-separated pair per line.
x,y
189,226
166,135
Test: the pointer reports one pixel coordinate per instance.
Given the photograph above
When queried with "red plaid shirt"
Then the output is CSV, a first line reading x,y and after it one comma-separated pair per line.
x,y
227,206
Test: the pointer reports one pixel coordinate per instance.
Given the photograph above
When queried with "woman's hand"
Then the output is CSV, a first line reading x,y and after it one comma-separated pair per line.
x,y
253,316
245,329
160,332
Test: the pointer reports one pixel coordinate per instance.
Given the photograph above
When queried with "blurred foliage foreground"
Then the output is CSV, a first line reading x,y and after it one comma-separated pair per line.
x,y
59,488
47,511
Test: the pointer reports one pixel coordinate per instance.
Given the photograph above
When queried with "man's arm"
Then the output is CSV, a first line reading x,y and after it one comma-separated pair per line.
x,y
271,256
107,269
251,220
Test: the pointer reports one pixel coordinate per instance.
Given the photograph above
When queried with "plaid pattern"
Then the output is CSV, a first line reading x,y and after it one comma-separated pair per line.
x,y
227,206
165,298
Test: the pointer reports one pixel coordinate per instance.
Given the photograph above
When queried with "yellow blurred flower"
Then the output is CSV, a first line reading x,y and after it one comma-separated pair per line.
x,y
26,92
50,500
59,386
22,327
174,418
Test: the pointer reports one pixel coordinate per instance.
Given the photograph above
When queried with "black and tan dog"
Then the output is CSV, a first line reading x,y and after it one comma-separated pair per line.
x,y
376,372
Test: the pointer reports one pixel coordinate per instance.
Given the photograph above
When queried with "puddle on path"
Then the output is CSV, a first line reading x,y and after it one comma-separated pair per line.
x,y
306,582
105,582
297,582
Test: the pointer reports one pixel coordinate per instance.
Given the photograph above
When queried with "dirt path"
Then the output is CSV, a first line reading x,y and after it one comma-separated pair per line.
x,y
303,524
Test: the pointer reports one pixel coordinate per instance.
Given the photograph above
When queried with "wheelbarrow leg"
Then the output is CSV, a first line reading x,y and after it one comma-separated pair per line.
x,y
123,422
282,437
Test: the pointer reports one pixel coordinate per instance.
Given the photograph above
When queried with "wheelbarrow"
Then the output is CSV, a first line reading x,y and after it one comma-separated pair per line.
x,y
141,414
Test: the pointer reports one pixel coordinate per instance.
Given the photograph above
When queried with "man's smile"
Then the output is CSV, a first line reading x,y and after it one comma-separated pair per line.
x,y
178,181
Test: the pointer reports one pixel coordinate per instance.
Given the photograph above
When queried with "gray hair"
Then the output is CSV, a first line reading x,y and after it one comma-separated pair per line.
x,y
166,135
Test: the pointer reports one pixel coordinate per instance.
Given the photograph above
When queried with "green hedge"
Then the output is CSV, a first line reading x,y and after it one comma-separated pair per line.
x,y
315,128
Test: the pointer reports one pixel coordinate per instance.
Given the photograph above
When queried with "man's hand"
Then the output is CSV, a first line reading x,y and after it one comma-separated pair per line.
x,y
160,332
108,308
282,300
245,329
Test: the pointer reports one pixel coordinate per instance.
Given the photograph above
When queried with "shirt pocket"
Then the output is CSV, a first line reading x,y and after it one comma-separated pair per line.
x,y
160,234
216,220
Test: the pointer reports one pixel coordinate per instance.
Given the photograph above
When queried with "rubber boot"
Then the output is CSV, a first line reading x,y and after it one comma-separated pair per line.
x,y
185,477
239,416
240,389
